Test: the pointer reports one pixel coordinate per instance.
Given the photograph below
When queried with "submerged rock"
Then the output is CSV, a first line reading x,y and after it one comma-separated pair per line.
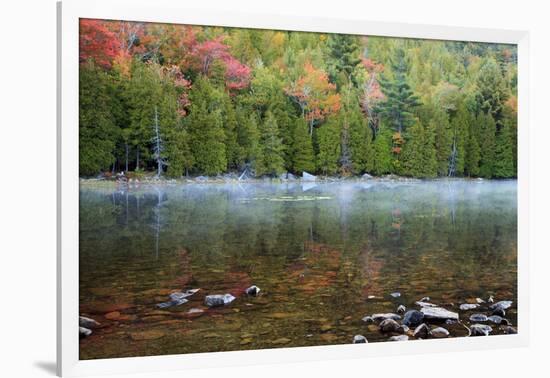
x,y
481,330
421,332
87,322
360,339
389,315
178,298
389,325
502,305
438,314
399,338
253,290
401,309
468,306
217,300
396,294
439,333
413,318
84,332
478,318
308,176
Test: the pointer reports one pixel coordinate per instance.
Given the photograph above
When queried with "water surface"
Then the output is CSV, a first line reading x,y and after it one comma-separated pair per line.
x,y
324,255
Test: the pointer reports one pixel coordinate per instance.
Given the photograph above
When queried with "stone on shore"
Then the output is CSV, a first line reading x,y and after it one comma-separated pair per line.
x,y
469,306
389,325
509,330
396,294
481,330
497,319
360,339
478,318
389,315
499,312
439,333
421,332
401,309
413,318
502,305
425,304
438,314
308,177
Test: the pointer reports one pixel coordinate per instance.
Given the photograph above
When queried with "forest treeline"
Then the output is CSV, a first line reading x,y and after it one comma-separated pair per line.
x,y
183,100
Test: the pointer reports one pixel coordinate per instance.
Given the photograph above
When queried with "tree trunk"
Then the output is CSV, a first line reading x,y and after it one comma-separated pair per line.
x,y
126,146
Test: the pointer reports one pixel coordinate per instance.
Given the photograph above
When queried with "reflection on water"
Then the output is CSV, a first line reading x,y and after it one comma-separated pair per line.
x,y
319,252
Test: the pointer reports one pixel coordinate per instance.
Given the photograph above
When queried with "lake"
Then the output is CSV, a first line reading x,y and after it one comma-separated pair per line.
x,y
324,255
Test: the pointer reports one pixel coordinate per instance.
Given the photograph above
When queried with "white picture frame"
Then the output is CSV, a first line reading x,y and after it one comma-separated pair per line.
x,y
174,11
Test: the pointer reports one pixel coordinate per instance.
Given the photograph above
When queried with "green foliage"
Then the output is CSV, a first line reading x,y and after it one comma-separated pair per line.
x,y
487,138
504,154
382,158
271,161
303,158
328,138
419,153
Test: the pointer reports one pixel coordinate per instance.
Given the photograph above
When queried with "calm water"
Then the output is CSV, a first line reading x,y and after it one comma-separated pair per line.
x,y
318,252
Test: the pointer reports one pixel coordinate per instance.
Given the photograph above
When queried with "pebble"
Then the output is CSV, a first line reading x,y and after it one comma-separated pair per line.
x,y
468,306
253,290
478,318
439,333
481,330
360,339
396,294
401,309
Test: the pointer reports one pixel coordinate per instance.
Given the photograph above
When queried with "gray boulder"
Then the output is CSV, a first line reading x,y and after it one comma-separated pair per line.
x,y
389,325
413,318
478,318
439,333
438,314
481,330
421,332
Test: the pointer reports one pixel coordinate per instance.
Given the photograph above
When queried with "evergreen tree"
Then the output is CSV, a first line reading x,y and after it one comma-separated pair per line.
x,y
460,126
344,58
271,161
487,143
205,126
492,91
303,157
400,103
328,138
473,151
504,154
97,128
382,158
419,154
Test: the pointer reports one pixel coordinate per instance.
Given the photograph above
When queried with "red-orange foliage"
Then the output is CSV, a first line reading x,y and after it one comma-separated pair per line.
x,y
372,93
98,43
315,95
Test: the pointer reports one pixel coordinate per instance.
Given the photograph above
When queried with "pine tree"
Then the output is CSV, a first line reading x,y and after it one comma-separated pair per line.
x,y
460,126
205,126
419,154
504,154
473,151
328,138
271,161
303,157
400,103
382,158
344,58
492,92
487,143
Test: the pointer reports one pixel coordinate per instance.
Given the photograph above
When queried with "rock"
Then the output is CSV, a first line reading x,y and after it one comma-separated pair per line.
x,y
380,317
182,295
87,322
490,300
308,177
389,325
421,332
218,300
396,294
439,333
253,290
413,318
360,339
438,314
172,303
425,299
510,330
368,319
401,309
497,319
502,305
371,297
499,312
481,330
425,304
399,338
201,178
146,335
366,176
478,318
403,329
480,301
84,332
291,177
468,306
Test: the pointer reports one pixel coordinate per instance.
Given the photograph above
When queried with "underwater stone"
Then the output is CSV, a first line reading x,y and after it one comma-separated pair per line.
x,y
438,314
478,318
217,300
253,290
468,306
413,318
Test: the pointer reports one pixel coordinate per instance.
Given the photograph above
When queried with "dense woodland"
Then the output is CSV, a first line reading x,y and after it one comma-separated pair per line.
x,y
188,100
